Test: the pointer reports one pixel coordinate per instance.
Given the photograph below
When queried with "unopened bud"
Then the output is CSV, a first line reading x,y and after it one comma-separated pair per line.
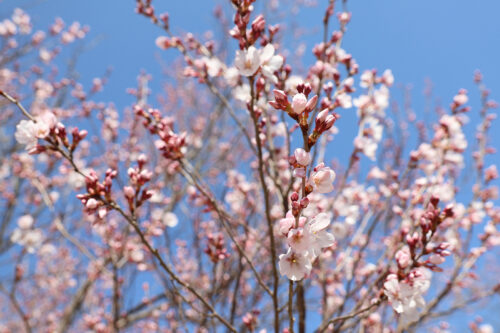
x,y
129,192
299,103
304,202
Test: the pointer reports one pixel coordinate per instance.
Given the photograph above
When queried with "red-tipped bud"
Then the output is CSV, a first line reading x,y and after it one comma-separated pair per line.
x,y
280,96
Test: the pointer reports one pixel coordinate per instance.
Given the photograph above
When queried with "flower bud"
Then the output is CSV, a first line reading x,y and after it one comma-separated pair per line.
x,y
304,202
91,203
280,96
129,192
311,104
302,157
299,103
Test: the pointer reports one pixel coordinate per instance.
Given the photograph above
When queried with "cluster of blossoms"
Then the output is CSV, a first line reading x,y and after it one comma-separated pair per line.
x,y
21,22
250,60
170,143
188,221
29,131
27,236
305,236
406,296
371,110
305,240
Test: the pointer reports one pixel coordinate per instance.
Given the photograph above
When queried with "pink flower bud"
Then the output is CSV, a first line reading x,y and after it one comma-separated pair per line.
x,y
344,17
336,36
129,192
280,96
403,257
329,121
259,23
299,103
299,172
304,202
436,259
302,157
321,117
311,104
460,99
163,42
91,204
142,159
490,173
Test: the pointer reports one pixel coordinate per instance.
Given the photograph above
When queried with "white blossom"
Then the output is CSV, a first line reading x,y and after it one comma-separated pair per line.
x,y
270,63
170,219
294,265
247,61
323,178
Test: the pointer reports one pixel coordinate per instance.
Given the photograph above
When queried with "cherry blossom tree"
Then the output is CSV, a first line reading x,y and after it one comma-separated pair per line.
x,y
218,206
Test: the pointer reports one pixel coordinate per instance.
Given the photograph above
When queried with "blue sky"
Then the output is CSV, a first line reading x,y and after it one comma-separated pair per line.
x,y
444,40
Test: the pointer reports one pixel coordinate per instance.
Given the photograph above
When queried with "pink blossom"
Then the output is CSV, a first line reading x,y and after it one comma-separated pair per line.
x,y
323,178
288,222
367,79
28,132
403,257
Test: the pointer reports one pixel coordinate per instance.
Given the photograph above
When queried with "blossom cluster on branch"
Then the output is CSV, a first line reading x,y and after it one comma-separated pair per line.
x,y
220,205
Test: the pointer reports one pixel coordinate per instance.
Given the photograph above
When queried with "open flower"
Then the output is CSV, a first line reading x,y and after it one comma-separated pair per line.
x,y
306,242
318,236
28,132
294,265
170,219
299,240
248,61
270,63
323,178
25,236
406,296
214,66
